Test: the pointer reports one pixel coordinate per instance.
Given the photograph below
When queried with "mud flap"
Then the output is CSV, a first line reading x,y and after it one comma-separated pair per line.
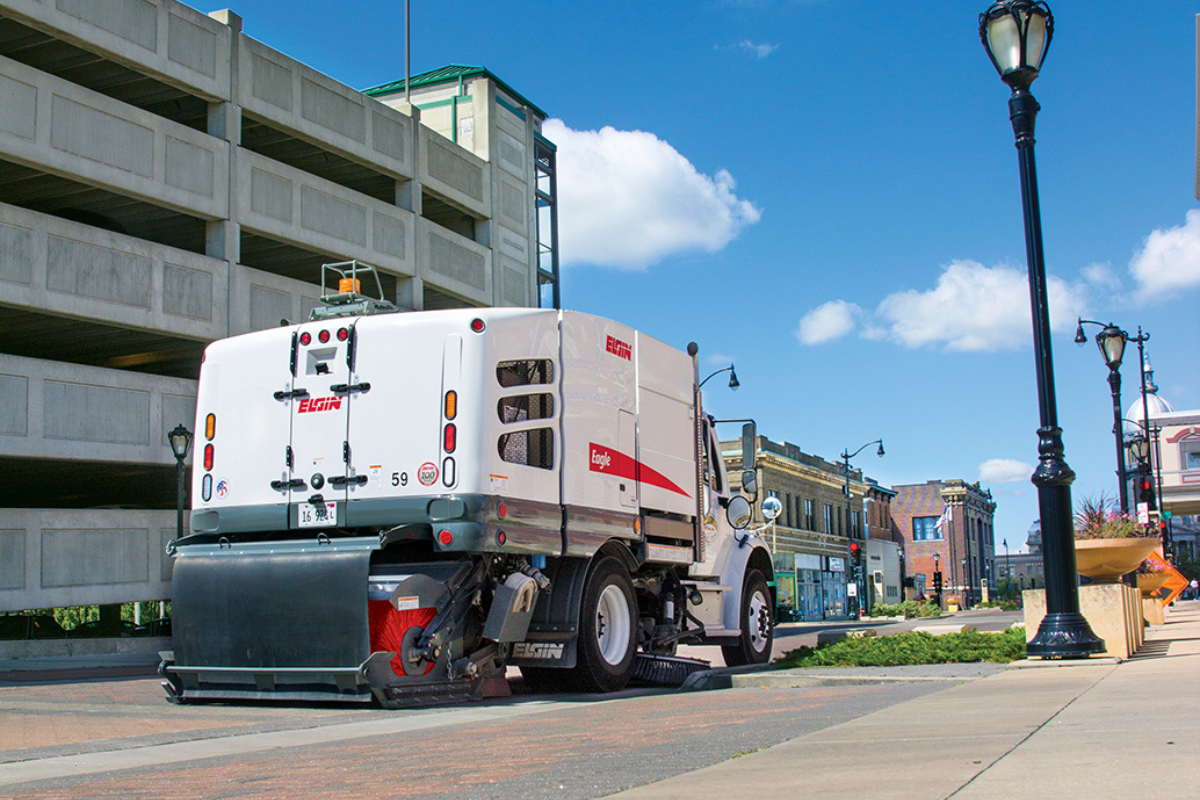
x,y
285,624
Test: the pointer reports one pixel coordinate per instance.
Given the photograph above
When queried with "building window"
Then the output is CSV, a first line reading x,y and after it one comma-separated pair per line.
x,y
828,518
787,510
810,515
1191,458
856,523
925,529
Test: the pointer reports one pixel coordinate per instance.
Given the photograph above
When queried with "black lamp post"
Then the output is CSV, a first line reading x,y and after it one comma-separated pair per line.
x,y
1016,34
733,381
181,443
856,565
1111,341
937,589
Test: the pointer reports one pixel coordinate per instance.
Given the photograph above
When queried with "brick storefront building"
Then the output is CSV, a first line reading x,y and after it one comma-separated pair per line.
x,y
952,519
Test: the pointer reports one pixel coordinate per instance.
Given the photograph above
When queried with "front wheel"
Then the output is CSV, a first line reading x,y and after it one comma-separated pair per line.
x,y
607,629
757,626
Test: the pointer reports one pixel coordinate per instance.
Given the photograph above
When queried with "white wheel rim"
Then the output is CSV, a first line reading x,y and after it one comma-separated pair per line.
x,y
758,622
612,624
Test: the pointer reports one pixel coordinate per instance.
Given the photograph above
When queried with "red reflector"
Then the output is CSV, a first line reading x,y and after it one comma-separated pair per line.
x,y
305,338
502,510
342,334
446,537
208,456
501,537
477,325
449,437
323,336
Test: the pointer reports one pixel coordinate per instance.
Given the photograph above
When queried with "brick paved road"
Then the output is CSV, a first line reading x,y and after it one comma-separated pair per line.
x,y
119,738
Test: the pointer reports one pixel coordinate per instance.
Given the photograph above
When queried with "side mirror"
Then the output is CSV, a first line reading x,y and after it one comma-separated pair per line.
x,y
750,482
739,512
749,445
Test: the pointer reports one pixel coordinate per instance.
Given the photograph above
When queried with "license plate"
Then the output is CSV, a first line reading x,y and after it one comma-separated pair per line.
x,y
316,516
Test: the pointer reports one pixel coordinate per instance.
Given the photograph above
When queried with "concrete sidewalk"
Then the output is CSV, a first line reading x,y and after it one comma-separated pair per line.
x,y
1055,730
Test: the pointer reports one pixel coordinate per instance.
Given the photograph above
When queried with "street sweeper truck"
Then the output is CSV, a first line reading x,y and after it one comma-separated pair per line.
x,y
399,506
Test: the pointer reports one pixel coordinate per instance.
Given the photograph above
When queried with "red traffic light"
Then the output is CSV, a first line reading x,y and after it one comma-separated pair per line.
x,y
854,547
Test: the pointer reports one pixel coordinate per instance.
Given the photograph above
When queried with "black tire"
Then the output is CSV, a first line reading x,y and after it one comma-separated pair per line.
x,y
757,624
607,643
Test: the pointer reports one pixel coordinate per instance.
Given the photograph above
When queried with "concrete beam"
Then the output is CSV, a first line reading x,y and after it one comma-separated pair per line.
x,y
166,39
59,127
51,409
296,98
293,206
63,267
52,558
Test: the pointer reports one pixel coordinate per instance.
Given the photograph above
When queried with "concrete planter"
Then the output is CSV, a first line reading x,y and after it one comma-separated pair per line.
x,y
1106,560
1151,583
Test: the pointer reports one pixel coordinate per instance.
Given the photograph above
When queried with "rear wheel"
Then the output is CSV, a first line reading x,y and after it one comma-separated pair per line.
x,y
607,629
757,625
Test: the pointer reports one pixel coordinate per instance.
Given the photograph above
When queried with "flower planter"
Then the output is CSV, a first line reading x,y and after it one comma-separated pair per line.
x,y
1106,560
1151,582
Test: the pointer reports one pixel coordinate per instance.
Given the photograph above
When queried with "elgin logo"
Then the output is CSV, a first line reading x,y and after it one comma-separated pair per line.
x,y
319,404
540,650
618,348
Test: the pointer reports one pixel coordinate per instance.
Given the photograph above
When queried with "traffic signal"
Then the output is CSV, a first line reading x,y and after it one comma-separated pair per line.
x,y
937,582
1145,492
854,551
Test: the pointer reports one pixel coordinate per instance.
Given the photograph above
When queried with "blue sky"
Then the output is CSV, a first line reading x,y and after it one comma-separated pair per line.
x,y
825,192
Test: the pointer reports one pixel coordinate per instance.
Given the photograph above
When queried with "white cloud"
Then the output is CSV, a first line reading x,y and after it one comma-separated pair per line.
x,y
831,320
1004,470
1102,275
718,359
628,199
757,50
974,307
971,308
1169,260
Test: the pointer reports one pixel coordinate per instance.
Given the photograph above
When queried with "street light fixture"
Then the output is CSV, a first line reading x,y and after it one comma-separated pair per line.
x,y
733,381
1017,34
1111,340
937,557
181,442
858,574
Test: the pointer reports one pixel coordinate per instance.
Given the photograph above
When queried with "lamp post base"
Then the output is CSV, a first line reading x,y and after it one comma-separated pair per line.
x,y
1064,635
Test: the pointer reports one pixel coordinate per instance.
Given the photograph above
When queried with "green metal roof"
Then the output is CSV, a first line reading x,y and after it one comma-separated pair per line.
x,y
448,74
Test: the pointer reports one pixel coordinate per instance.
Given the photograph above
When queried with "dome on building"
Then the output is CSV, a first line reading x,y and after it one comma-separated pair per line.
x,y
1155,405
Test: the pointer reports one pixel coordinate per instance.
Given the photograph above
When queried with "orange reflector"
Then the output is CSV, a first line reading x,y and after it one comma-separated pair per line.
x,y
448,439
210,426
446,537
346,285
208,456
637,526
451,409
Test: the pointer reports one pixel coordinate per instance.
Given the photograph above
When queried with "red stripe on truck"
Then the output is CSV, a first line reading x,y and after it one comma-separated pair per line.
x,y
614,462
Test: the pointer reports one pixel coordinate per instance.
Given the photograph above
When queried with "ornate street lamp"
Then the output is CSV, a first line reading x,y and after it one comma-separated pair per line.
x,y
1016,34
857,571
181,442
1111,341
733,381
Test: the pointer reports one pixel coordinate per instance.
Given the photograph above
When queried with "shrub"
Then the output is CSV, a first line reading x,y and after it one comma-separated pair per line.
x,y
911,648
908,609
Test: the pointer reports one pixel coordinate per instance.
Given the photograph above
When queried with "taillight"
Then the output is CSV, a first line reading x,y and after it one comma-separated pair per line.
x,y
446,537
306,338
448,437
323,336
451,405
208,456
477,325
210,426
342,334
502,510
